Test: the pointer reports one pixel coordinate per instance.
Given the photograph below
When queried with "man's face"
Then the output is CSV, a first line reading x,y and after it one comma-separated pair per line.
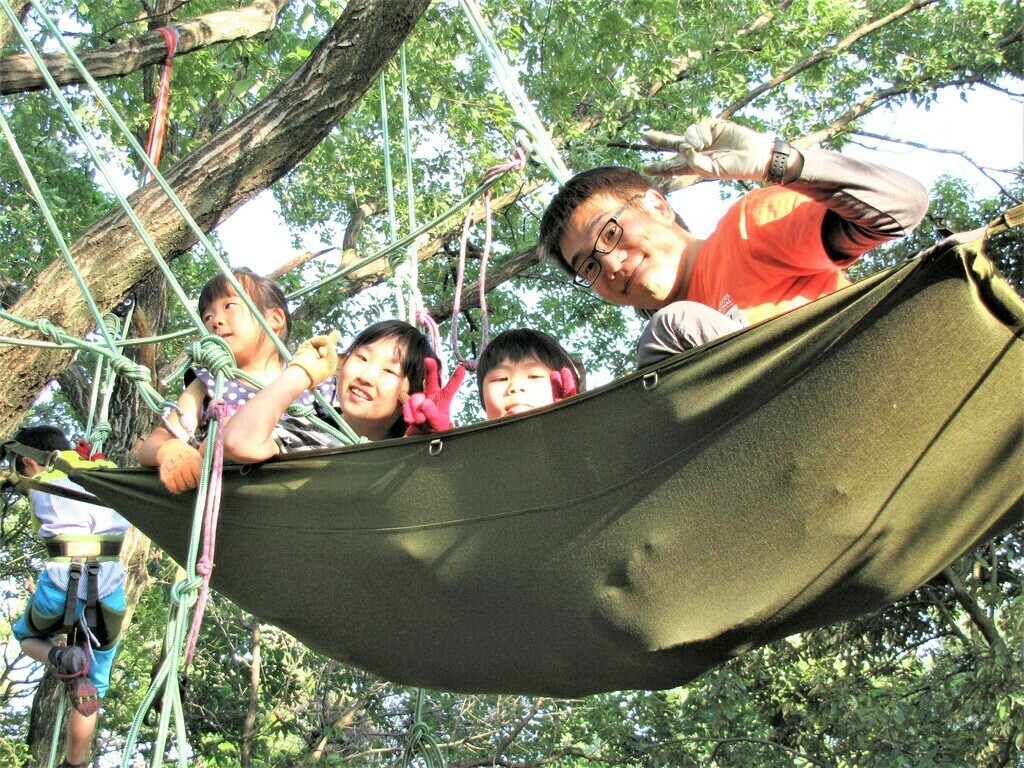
x,y
646,267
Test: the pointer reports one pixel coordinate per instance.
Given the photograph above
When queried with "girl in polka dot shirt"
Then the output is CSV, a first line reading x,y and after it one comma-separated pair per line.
x,y
224,314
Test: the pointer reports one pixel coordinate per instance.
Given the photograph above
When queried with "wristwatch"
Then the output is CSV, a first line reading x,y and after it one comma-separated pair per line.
x,y
780,157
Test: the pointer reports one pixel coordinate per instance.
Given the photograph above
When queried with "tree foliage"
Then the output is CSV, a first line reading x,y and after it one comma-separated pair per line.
x,y
935,680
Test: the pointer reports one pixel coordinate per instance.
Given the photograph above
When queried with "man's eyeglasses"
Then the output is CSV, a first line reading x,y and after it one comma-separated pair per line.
x,y
590,268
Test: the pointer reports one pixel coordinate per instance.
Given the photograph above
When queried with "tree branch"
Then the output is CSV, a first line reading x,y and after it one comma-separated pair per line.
x,y
379,271
825,53
918,145
18,72
974,611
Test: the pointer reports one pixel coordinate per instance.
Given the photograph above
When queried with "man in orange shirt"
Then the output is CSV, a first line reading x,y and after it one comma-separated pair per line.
x,y
777,247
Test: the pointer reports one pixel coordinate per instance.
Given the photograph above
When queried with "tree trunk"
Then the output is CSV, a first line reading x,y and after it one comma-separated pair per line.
x,y
43,718
234,166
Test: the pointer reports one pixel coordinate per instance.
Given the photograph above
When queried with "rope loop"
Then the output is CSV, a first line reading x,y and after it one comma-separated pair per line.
x,y
113,324
213,353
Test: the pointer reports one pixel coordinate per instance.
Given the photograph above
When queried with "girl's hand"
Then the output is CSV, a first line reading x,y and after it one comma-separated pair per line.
x,y
430,411
563,384
318,357
180,466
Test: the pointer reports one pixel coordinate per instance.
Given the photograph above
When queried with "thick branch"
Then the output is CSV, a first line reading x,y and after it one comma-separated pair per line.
x,y
234,166
18,73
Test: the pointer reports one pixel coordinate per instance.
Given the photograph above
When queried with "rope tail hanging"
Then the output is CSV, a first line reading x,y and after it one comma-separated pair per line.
x,y
158,126
515,162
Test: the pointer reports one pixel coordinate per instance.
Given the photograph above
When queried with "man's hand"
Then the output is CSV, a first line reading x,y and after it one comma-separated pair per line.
x,y
180,465
563,384
714,149
318,357
430,411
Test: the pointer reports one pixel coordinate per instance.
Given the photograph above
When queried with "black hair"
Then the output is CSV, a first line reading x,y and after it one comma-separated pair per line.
x,y
412,348
264,292
616,181
519,344
43,438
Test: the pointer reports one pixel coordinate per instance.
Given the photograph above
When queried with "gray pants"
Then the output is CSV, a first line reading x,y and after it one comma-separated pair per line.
x,y
680,326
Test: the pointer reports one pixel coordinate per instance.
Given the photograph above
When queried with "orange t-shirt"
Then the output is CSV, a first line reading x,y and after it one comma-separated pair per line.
x,y
765,257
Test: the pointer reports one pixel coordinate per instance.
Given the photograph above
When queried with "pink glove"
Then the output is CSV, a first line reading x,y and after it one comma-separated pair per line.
x,y
563,384
430,411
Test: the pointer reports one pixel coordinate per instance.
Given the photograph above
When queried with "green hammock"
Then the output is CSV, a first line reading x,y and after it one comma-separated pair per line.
x,y
801,472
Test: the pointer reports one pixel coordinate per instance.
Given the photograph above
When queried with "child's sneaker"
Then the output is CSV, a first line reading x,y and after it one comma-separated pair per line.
x,y
71,665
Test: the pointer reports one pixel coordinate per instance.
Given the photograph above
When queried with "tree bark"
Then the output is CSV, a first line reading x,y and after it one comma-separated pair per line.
x,y
235,165
18,72
7,34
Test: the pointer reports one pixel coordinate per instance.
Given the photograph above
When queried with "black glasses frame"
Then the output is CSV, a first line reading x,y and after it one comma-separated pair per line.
x,y
583,277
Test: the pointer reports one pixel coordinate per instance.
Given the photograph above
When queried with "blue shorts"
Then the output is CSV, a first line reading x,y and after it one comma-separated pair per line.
x,y
44,617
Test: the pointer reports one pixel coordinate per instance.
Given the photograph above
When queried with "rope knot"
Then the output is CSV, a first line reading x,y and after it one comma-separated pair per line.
x,y
219,410
184,591
306,411
49,329
213,353
101,430
130,369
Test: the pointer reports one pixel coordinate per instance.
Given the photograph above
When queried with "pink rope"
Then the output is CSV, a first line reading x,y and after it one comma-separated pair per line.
x,y
219,413
433,332
515,162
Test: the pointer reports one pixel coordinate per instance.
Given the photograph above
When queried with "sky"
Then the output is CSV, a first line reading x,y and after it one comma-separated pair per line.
x,y
989,127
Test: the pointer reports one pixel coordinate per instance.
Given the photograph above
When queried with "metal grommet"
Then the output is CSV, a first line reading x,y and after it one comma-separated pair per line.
x,y
246,469
650,380
435,447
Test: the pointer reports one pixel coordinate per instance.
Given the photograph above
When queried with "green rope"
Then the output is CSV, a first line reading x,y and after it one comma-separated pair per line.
x,y
407,275
344,434
421,740
540,142
58,726
51,223
385,139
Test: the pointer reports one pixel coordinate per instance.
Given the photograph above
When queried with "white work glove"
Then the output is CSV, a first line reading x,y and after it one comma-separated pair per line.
x,y
714,149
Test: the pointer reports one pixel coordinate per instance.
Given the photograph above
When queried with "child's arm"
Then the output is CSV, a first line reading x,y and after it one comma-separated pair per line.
x,y
190,403
248,434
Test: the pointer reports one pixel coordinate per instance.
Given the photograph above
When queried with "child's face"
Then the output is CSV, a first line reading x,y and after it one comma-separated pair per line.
x,y
516,387
369,385
229,318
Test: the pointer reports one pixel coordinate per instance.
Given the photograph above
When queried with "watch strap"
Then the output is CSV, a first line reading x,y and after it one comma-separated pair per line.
x,y
777,166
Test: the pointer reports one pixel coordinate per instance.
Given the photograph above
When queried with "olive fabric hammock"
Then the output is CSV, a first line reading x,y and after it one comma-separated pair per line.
x,y
801,472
